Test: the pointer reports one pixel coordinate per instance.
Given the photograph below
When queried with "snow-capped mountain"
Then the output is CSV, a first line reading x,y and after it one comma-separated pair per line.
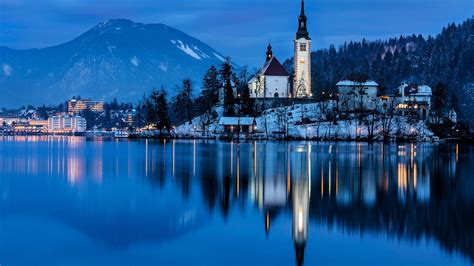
x,y
117,58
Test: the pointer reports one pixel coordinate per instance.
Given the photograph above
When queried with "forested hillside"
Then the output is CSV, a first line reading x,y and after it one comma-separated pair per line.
x,y
447,58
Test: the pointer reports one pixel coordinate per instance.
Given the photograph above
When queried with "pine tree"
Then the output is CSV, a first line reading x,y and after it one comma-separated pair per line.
x,y
151,109
229,99
439,100
183,102
454,103
161,109
226,79
211,86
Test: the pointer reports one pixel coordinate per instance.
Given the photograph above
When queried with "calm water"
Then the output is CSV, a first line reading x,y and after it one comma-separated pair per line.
x,y
77,201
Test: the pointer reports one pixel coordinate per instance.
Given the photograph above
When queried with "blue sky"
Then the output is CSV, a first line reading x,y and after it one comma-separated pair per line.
x,y
238,28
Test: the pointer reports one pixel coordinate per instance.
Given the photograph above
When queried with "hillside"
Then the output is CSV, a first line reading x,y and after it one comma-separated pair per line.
x,y
116,58
447,57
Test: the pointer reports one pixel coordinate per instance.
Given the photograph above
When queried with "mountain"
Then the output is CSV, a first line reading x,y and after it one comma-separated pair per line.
x,y
447,58
117,58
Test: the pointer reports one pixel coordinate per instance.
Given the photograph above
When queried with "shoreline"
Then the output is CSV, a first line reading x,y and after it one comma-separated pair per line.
x,y
402,139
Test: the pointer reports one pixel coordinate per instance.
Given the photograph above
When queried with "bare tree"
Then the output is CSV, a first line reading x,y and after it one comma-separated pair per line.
x,y
387,117
371,122
282,119
205,120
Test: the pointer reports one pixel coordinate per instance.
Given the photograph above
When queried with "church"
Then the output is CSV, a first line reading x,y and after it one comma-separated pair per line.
x,y
273,80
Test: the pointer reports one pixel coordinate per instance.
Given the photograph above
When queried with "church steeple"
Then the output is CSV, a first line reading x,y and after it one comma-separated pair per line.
x,y
302,27
269,52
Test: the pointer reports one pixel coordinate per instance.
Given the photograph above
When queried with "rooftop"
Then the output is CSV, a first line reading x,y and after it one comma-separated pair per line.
x,y
351,83
273,67
233,121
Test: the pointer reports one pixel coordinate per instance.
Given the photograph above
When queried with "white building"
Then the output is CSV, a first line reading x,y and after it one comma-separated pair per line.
x,y
272,81
415,93
414,100
355,95
302,59
67,124
453,116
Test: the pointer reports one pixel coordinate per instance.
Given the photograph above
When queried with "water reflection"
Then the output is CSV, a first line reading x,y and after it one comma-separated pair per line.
x,y
404,192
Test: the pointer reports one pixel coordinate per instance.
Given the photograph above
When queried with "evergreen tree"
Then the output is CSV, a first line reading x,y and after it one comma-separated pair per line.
x,y
229,99
245,102
183,102
210,87
151,107
140,115
161,109
227,74
454,103
439,100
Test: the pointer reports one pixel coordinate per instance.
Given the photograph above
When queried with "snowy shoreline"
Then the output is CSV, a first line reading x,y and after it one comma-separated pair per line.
x,y
307,122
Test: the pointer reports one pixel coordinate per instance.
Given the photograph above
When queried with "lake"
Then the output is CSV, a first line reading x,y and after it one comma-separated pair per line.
x,y
80,201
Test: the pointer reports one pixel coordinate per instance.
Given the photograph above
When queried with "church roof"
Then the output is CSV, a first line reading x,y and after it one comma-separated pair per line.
x,y
273,67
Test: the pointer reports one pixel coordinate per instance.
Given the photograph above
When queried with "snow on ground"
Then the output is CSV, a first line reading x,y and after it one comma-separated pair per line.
x,y
163,67
272,123
219,57
193,51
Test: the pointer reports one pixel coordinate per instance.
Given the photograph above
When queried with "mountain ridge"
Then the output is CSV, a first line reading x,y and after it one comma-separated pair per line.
x,y
116,58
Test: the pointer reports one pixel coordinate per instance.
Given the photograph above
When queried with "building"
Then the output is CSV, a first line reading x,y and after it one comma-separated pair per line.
x,y
67,124
357,96
302,59
76,106
414,100
42,124
453,116
31,126
238,125
272,81
129,118
9,121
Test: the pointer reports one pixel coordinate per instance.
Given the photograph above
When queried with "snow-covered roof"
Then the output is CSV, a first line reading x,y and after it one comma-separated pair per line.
x,y
247,121
233,121
414,90
351,83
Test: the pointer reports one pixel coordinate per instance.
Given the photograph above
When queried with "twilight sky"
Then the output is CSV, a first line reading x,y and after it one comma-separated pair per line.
x,y
238,28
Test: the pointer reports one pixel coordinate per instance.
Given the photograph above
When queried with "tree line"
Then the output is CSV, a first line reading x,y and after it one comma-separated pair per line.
x,y
447,58
224,87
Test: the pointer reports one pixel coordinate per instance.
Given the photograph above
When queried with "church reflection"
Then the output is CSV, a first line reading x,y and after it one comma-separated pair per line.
x,y
301,193
282,178
347,178
350,178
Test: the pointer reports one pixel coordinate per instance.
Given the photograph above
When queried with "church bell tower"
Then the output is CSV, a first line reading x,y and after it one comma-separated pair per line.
x,y
302,67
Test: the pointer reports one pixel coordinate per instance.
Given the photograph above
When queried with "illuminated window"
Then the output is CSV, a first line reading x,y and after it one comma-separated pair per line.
x,y
303,47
